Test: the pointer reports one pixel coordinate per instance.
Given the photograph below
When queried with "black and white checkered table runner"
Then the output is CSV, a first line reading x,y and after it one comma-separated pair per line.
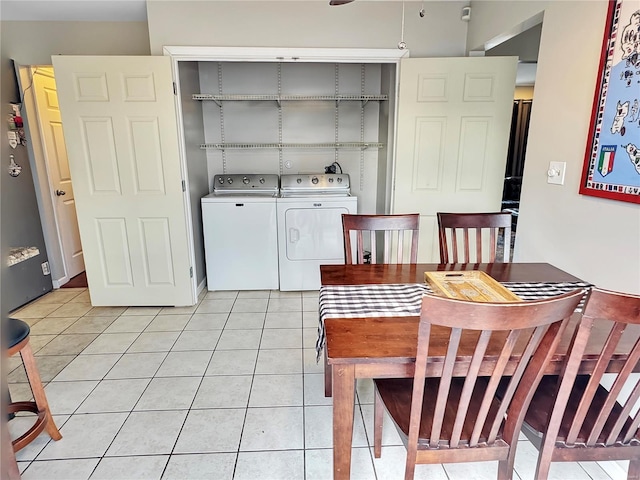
x,y
404,300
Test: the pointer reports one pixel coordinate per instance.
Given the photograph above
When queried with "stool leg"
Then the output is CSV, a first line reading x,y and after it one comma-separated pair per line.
x,y
9,464
10,416
37,389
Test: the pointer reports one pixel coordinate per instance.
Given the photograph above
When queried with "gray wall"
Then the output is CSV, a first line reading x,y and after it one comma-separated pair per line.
x,y
364,24
595,239
33,43
20,225
193,130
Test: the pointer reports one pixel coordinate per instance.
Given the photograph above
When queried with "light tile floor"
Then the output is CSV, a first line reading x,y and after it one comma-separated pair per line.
x,y
227,389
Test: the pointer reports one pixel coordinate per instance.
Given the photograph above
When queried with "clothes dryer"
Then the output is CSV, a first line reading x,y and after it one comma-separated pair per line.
x,y
310,209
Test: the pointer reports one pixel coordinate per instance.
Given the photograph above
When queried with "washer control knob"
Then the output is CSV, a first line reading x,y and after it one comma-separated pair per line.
x,y
299,180
245,180
221,180
314,180
261,179
339,179
330,179
229,180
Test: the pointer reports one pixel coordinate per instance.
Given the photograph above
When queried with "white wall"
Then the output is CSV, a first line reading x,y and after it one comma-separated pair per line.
x,y
595,239
493,21
299,23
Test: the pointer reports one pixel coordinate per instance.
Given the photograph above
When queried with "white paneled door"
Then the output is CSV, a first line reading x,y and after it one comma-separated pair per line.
x,y
121,132
55,152
454,118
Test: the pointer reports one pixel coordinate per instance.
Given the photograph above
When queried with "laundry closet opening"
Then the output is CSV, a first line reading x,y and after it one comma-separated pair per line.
x,y
279,117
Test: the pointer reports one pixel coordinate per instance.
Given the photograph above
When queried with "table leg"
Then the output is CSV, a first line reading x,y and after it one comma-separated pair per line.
x,y
344,382
327,375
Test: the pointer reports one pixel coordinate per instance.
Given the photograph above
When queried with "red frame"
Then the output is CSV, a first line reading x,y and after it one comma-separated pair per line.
x,y
594,114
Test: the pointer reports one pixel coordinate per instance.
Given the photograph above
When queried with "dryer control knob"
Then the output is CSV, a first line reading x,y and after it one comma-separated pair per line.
x,y
299,180
245,180
314,180
330,179
220,180
261,180
229,180
339,179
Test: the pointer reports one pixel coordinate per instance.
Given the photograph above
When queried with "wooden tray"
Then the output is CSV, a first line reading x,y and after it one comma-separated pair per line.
x,y
473,285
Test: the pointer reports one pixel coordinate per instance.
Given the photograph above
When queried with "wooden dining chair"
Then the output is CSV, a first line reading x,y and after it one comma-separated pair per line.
x,y
458,241
574,417
397,232
454,415
399,235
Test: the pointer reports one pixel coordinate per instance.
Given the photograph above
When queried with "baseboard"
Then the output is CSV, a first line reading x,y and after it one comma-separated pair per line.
x,y
59,282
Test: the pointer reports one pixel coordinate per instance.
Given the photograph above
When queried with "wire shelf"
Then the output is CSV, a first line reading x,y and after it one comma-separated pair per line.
x,y
247,146
276,98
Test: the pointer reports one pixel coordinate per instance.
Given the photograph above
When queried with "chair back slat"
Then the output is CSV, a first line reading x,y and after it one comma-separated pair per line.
x,y
606,412
443,390
629,405
492,241
394,232
424,333
359,247
466,251
632,430
491,389
454,244
594,381
540,349
400,250
374,248
469,384
479,243
490,229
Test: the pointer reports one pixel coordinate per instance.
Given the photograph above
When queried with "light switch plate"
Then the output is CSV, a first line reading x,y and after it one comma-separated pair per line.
x,y
555,174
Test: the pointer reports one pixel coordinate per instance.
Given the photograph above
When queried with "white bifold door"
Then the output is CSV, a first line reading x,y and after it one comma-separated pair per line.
x,y
454,119
121,132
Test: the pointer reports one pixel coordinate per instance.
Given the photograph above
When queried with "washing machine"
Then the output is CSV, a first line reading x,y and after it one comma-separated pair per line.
x,y
310,209
240,233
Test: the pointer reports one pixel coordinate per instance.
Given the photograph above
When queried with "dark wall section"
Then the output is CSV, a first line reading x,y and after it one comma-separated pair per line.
x,y
20,221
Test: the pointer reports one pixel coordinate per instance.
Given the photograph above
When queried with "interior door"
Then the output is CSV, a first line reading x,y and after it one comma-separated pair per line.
x,y
454,117
55,154
121,134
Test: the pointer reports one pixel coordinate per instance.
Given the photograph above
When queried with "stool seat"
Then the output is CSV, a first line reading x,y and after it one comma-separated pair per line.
x,y
17,341
15,331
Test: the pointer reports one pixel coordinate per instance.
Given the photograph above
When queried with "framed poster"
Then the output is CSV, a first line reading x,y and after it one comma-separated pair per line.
x,y
612,159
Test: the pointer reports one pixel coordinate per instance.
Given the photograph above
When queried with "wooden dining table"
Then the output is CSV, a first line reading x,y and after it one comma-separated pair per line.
x,y
385,346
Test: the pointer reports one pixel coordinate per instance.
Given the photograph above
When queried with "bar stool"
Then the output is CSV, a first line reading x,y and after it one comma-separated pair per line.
x,y
17,334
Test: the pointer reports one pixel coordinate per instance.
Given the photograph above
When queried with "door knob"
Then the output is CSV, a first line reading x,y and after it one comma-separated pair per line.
x,y
60,193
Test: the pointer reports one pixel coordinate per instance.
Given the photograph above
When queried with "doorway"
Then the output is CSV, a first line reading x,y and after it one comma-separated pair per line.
x,y
54,190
